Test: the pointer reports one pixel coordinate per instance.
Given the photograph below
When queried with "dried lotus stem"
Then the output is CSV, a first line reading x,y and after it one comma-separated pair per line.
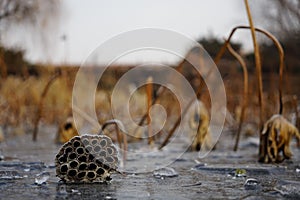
x,y
160,91
198,94
149,91
156,95
41,103
181,116
171,132
85,116
295,103
245,94
118,126
257,64
276,43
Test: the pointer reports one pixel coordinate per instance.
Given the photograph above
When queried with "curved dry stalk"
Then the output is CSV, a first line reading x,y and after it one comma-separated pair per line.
x,y
198,93
281,67
281,64
160,91
217,60
245,94
118,126
91,120
40,106
171,132
279,49
262,147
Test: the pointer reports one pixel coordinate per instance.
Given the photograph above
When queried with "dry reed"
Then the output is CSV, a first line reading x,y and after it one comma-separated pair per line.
x,y
41,103
245,94
149,91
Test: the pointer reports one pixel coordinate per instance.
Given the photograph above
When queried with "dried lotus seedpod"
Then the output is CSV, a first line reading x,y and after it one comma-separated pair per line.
x,y
277,135
87,159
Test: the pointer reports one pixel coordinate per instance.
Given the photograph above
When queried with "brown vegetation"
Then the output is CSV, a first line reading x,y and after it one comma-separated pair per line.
x,y
66,131
199,123
31,95
278,133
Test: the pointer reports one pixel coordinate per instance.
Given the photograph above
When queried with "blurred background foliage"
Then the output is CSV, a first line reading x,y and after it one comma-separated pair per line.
x,y
282,18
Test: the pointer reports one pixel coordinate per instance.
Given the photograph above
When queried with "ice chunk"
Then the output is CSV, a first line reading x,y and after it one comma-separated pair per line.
x,y
165,172
251,184
42,178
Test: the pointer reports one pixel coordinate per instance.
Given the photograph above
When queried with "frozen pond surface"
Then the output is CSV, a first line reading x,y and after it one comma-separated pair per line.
x,y
222,174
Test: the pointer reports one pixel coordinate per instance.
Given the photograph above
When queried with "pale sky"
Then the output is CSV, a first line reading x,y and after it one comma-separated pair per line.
x,y
89,23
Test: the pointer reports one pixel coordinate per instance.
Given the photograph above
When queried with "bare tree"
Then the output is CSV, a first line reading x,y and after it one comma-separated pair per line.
x,y
25,24
27,10
9,9
282,17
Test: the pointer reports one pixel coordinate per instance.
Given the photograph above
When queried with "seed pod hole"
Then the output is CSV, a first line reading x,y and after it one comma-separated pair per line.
x,y
80,150
94,141
72,156
91,175
72,172
76,144
81,175
103,143
64,168
82,166
92,166
100,171
82,158
73,164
